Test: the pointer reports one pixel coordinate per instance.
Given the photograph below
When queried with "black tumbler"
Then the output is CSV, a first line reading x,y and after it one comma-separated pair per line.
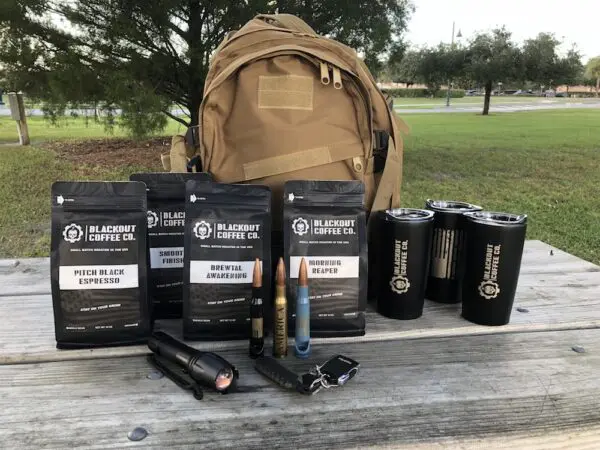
x,y
493,261
403,261
447,250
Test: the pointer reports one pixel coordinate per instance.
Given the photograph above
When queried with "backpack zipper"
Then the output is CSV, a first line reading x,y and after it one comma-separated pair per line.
x,y
271,28
324,73
315,38
349,53
274,51
303,52
337,78
325,80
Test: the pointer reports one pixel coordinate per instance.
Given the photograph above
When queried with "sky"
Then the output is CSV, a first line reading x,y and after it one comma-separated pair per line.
x,y
574,21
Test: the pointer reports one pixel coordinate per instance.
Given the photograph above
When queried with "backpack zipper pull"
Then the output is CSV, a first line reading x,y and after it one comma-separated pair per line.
x,y
324,73
337,78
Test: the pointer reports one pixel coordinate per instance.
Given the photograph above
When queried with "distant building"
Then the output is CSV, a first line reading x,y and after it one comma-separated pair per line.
x,y
390,85
576,89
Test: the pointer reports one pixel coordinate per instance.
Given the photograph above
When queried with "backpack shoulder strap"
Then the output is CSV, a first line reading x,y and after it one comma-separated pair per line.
x,y
177,159
388,190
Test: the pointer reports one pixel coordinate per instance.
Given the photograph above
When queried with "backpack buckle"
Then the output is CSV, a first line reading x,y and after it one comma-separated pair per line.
x,y
194,163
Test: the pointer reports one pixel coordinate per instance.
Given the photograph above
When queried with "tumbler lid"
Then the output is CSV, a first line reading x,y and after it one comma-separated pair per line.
x,y
451,206
409,214
499,218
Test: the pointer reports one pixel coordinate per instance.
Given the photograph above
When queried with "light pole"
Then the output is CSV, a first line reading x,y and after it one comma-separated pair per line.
x,y
458,35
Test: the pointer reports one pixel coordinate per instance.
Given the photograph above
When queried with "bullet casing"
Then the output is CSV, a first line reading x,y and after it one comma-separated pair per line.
x,y
257,340
302,335
280,338
257,337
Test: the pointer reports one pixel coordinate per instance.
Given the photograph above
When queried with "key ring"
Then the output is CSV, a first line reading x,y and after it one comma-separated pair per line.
x,y
336,371
316,371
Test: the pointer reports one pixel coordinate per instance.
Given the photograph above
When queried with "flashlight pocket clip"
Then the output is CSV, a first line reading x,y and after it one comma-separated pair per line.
x,y
177,375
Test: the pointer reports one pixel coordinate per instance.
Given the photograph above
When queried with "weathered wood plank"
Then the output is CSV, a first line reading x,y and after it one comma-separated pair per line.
x,y
577,438
560,302
32,275
415,393
26,276
555,300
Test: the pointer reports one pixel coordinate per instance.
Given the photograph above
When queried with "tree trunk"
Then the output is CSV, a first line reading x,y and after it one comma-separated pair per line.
x,y
597,85
195,107
195,75
486,101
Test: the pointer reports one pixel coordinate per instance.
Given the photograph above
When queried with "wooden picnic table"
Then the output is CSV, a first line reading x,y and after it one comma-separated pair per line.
x,y
435,382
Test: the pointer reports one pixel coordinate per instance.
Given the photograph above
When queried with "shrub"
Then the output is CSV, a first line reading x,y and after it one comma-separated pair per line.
x,y
419,92
581,94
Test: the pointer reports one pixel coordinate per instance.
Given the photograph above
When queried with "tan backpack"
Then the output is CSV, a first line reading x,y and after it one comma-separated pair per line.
x,y
282,103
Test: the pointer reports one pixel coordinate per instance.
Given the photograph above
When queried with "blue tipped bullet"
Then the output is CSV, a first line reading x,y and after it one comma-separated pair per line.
x,y
302,335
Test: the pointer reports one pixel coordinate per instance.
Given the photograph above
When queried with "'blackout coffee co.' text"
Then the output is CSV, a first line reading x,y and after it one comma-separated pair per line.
x,y
238,231
111,233
492,259
400,257
333,226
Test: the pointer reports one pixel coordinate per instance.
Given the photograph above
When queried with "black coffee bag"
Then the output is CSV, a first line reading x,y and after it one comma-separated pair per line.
x,y
324,222
226,228
98,264
166,218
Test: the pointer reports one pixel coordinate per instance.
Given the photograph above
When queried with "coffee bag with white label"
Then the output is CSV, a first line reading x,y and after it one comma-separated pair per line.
x,y
166,217
227,227
98,264
324,223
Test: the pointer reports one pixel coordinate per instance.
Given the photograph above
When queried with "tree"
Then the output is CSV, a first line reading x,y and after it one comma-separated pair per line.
x,y
570,69
592,72
543,65
406,69
493,57
145,56
431,69
434,66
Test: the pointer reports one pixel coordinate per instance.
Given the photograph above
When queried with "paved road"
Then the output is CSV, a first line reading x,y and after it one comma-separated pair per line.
x,y
498,107
421,108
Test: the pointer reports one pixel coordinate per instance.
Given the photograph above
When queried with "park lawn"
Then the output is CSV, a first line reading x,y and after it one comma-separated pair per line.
x,y
544,163
40,129
27,174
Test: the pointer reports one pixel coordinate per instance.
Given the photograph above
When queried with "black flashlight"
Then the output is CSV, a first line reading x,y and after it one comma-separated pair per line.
x,y
205,368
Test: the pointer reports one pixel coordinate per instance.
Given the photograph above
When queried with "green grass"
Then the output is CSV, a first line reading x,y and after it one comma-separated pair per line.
x,y
544,163
27,174
41,130
550,130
